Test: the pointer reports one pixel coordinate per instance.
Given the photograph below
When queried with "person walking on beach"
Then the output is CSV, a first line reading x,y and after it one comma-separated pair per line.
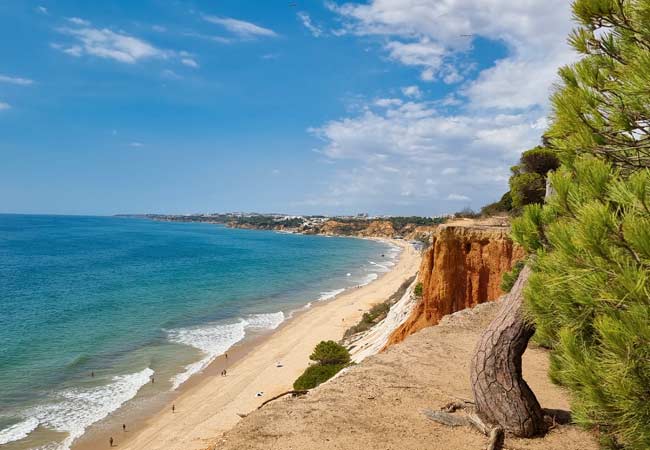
x,y
152,379
124,427
110,441
173,408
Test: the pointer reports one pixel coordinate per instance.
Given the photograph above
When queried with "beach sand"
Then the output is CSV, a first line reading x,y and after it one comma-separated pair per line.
x,y
209,404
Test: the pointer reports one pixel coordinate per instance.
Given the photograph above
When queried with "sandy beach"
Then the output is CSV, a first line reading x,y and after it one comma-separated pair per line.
x,y
210,404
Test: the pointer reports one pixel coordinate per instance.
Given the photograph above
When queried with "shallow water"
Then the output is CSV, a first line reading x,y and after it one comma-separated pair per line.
x,y
92,307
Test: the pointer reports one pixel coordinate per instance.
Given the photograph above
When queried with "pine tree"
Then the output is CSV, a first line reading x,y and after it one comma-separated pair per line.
x,y
585,291
588,293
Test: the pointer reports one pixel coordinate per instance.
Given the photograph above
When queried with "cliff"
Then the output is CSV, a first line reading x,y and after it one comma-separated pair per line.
x,y
462,268
377,404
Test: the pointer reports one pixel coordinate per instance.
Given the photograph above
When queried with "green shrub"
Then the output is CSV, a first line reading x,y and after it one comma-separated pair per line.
x,y
504,205
589,294
418,290
527,188
315,375
509,278
539,160
330,352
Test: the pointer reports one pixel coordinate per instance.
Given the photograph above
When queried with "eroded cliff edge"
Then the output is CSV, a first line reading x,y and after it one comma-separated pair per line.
x,y
462,268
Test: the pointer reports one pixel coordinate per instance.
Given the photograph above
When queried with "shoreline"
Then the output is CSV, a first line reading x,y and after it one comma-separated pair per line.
x,y
208,405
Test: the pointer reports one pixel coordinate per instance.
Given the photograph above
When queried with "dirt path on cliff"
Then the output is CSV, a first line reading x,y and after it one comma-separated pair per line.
x,y
376,405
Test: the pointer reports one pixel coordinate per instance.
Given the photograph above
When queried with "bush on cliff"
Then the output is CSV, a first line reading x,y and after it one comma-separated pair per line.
x,y
315,375
330,358
330,352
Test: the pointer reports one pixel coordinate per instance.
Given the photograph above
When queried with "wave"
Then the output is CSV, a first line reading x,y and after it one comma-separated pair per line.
x,y
382,267
328,295
18,431
369,279
215,339
74,410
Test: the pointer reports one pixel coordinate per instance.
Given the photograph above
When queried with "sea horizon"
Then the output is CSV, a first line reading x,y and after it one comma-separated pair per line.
x,y
109,303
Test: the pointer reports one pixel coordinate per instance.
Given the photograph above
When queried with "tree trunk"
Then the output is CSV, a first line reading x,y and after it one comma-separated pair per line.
x,y
501,395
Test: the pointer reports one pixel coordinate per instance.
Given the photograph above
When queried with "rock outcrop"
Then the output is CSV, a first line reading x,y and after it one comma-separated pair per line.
x,y
462,268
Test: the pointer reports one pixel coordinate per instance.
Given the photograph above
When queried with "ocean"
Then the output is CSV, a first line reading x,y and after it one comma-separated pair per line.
x,y
91,308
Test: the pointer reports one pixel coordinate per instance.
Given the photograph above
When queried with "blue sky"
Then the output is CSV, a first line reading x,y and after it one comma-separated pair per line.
x,y
382,106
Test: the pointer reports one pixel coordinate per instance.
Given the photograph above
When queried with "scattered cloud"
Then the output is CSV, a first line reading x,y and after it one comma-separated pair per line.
x,y
415,147
458,197
115,45
171,75
270,56
189,62
306,21
209,37
4,106
158,28
136,144
412,91
241,28
275,172
458,147
78,21
386,102
105,43
16,80
41,9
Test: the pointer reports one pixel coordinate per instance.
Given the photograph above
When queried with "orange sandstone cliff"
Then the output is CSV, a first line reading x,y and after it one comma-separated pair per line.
x,y
463,267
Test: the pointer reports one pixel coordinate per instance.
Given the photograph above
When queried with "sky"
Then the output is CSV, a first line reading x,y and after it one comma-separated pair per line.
x,y
401,107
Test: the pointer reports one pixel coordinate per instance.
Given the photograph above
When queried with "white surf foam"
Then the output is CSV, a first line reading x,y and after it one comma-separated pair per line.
x,y
328,295
18,431
74,410
369,279
215,339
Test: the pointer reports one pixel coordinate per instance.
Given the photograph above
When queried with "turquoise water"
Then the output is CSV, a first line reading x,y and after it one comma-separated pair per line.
x,y
128,299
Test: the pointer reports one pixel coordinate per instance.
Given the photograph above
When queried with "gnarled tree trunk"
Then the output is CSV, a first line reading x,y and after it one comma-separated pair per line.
x,y
501,395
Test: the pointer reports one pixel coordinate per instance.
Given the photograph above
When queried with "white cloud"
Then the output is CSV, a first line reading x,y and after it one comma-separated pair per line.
x,y
190,63
450,171
78,21
41,9
458,197
428,33
241,28
4,106
105,43
158,28
306,21
384,154
458,147
136,144
412,91
386,102
116,45
15,80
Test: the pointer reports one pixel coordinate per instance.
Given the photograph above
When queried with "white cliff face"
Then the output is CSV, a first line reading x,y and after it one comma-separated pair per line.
x,y
374,340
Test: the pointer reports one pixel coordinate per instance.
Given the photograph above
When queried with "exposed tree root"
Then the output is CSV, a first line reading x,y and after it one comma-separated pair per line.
x,y
292,392
447,417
